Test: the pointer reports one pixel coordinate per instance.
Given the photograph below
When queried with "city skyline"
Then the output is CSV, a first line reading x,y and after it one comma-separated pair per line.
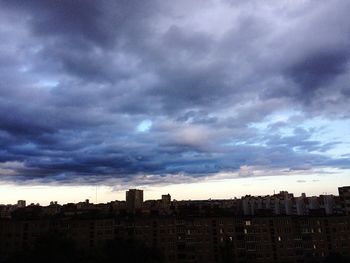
x,y
146,196
281,203
209,99
275,228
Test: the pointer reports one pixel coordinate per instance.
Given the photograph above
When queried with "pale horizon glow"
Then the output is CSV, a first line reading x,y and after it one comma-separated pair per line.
x,y
313,185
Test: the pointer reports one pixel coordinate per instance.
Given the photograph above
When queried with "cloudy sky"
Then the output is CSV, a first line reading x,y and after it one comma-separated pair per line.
x,y
204,98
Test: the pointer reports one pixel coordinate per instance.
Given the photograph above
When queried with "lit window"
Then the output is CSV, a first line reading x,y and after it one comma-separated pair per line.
x,y
248,223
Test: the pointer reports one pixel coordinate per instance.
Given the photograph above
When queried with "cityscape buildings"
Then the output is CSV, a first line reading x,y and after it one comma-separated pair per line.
x,y
134,199
344,194
277,228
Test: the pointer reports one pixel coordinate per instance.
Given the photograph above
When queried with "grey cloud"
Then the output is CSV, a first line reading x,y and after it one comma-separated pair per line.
x,y
317,70
301,181
84,22
78,77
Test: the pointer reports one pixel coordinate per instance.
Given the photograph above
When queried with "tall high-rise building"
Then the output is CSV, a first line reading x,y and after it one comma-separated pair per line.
x,y
344,194
21,203
134,199
166,201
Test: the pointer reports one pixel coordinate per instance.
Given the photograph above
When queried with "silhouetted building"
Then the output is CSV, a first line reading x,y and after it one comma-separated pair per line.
x,y
196,239
21,203
134,199
344,194
166,201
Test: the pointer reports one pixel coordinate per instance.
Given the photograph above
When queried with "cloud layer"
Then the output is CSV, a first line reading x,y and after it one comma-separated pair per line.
x,y
78,79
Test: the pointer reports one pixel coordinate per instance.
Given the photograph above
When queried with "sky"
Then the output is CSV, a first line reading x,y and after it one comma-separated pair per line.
x,y
198,98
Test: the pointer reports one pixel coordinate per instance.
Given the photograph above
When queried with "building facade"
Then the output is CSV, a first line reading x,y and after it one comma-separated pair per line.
x,y
134,199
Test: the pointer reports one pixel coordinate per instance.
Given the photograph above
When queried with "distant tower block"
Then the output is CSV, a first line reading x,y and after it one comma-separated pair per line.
x,y
344,194
134,199
21,203
166,201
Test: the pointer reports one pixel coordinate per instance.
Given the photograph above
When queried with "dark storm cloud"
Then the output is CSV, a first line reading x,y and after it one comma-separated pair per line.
x,y
318,70
83,22
80,78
